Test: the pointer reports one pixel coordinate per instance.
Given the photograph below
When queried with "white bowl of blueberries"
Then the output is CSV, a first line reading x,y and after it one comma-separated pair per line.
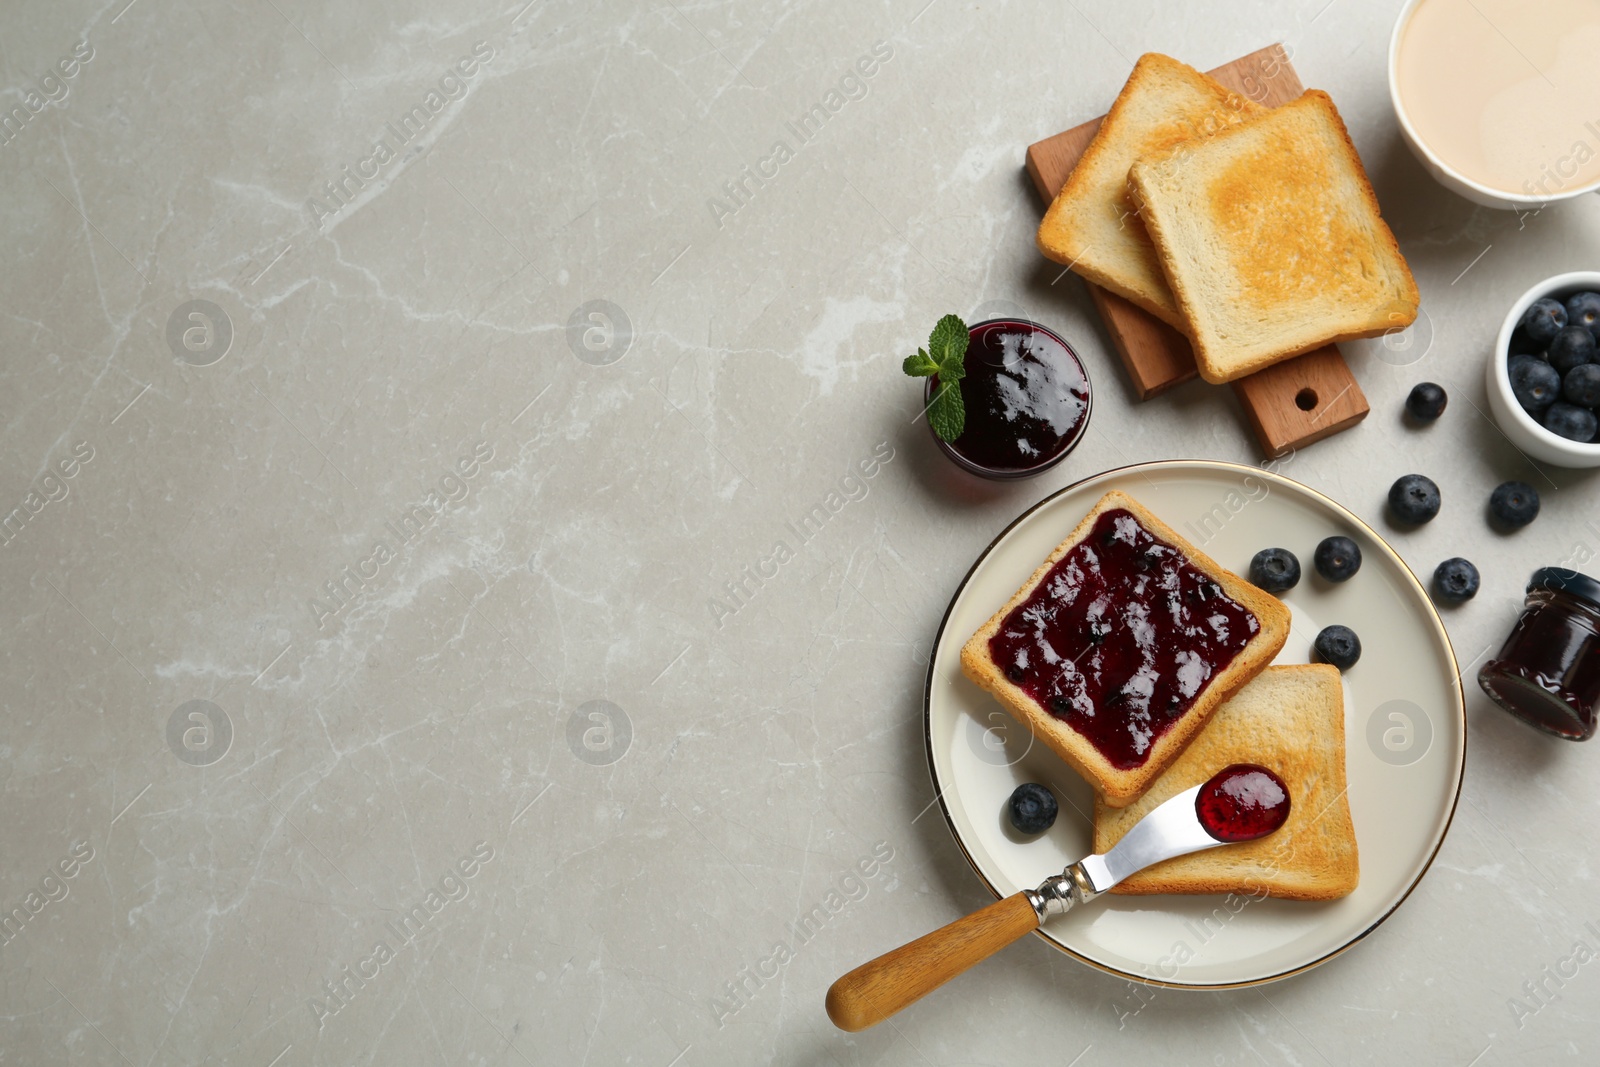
x,y
1544,379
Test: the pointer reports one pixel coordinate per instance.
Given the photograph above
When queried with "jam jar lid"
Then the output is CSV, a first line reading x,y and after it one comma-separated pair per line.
x,y
1562,580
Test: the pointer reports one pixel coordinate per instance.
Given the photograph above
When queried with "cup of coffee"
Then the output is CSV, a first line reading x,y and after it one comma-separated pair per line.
x,y
1500,101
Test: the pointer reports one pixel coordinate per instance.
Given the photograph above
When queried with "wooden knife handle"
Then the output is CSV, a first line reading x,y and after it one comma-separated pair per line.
x,y
874,991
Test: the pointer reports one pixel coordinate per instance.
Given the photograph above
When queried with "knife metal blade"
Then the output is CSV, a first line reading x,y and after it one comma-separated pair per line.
x,y
1173,829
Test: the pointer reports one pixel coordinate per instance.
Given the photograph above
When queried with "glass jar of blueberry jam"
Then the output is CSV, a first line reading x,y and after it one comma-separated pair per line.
x,y
1027,400
1548,672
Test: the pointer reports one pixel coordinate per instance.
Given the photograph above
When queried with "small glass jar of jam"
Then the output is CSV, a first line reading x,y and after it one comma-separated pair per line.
x,y
1027,399
1548,672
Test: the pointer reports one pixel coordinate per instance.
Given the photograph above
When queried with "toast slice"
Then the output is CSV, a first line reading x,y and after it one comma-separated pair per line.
x,y
1290,720
1270,236
1122,644
1092,227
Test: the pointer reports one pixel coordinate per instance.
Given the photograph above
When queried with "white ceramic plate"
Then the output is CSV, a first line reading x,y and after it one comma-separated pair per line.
x,y
1405,729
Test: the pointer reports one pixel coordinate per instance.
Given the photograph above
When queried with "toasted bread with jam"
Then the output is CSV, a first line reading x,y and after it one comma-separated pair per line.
x,y
1291,721
1122,645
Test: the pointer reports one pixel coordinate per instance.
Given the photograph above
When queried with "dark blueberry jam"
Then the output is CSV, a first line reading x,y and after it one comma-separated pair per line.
x,y
1548,671
1242,802
1027,400
1121,638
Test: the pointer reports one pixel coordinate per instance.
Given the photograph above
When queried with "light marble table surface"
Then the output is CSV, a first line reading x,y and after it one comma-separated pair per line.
x,y
387,577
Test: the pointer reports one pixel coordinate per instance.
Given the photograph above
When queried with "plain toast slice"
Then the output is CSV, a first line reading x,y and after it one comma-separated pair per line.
x,y
1147,652
1291,721
1270,237
1092,226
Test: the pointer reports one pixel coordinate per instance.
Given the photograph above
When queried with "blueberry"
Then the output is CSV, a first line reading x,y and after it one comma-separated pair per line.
x,y
1426,402
1032,808
1455,580
1573,347
1339,646
1274,569
1414,499
1523,345
1515,361
1514,504
1543,320
1583,309
1571,422
1581,385
1534,383
1337,558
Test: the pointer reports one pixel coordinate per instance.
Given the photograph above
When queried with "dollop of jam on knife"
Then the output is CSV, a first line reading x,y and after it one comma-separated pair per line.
x,y
1242,802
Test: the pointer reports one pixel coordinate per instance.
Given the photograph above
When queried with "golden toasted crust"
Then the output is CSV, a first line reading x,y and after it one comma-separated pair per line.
x,y
1091,225
1271,238
1290,720
1116,785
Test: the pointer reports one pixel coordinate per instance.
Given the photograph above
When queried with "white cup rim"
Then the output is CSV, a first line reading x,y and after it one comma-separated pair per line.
x,y
1516,199
1571,281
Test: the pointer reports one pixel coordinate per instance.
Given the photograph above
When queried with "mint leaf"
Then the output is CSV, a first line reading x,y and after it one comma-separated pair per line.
x,y
921,365
948,343
953,370
945,357
947,414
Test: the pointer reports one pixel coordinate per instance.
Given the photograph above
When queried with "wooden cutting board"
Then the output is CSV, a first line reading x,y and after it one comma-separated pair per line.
x,y
1289,404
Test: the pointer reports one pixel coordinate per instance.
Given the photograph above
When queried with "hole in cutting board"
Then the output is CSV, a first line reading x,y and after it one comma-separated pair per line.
x,y
1305,399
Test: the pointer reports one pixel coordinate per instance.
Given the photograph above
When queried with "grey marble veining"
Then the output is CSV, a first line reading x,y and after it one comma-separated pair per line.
x,y
407,671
